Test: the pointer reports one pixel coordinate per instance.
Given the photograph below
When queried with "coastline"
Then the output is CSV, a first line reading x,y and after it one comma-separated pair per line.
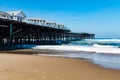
x,y
32,67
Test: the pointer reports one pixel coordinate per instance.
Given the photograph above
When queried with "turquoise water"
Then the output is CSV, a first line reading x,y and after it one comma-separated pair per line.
x,y
102,42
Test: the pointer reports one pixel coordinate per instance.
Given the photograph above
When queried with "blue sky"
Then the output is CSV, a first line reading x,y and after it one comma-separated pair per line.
x,y
101,17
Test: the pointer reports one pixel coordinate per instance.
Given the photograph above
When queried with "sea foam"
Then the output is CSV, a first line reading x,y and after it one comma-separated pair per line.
x,y
95,48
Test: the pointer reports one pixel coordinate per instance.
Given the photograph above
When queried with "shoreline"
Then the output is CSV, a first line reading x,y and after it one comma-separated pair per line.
x,y
85,55
32,67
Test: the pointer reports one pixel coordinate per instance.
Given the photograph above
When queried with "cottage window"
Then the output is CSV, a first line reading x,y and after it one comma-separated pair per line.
x,y
17,18
12,14
20,19
11,17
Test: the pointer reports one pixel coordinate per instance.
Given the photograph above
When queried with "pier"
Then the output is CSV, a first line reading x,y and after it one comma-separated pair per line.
x,y
36,31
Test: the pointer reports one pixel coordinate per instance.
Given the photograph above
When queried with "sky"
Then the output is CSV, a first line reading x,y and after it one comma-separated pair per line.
x,y
101,17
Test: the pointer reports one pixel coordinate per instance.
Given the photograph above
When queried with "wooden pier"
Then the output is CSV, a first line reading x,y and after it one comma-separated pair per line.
x,y
17,33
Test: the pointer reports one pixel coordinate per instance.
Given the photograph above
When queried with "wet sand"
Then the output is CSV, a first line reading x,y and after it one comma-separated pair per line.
x,y
33,67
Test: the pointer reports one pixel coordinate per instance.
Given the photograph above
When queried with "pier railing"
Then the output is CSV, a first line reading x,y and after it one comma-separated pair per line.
x,y
46,23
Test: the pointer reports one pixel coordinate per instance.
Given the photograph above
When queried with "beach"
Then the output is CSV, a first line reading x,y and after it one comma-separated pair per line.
x,y
33,67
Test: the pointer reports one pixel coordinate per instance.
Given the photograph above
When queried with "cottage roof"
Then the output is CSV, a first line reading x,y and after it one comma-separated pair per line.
x,y
17,13
4,13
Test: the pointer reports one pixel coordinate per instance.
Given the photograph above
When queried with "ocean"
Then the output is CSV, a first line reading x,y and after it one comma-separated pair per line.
x,y
103,52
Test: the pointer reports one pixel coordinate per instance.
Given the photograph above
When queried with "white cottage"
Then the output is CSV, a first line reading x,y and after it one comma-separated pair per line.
x,y
36,21
18,16
5,15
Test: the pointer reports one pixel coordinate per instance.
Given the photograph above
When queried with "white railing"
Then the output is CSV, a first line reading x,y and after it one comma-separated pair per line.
x,y
47,25
41,24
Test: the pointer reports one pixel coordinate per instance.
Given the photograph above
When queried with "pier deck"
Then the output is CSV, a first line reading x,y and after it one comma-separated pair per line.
x,y
15,32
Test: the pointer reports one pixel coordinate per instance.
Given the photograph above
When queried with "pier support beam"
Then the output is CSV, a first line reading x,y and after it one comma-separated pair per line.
x,y
11,37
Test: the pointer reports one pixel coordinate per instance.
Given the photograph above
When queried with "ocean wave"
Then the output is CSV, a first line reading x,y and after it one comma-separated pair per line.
x,y
101,42
96,48
103,46
104,40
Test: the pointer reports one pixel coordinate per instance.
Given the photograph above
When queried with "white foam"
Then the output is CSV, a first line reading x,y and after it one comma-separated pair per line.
x,y
103,40
107,61
107,40
95,48
106,46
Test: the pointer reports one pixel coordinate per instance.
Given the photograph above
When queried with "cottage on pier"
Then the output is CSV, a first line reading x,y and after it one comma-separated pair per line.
x,y
5,15
18,16
36,21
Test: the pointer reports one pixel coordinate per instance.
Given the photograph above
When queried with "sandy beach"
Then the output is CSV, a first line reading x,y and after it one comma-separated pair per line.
x,y
33,67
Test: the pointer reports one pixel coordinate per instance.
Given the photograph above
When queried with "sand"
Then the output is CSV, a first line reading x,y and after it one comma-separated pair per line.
x,y
33,67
